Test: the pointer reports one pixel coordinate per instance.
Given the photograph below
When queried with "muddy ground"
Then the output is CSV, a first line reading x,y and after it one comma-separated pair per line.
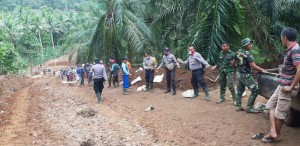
x,y
45,111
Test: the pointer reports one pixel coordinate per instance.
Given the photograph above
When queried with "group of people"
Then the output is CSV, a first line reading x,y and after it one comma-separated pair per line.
x,y
241,61
68,74
78,73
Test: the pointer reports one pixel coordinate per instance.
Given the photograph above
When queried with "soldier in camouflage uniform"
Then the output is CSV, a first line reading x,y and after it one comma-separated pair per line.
x,y
245,64
226,71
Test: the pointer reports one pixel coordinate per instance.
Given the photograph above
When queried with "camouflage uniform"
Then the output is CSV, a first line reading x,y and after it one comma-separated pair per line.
x,y
226,71
243,58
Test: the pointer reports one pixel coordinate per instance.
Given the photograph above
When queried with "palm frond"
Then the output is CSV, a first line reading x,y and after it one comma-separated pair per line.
x,y
216,27
257,27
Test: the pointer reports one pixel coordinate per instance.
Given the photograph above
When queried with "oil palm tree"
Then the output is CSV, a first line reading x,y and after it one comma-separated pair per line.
x,y
204,24
121,30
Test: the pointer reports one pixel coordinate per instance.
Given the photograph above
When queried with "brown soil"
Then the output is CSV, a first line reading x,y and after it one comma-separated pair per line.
x,y
9,84
49,112
183,79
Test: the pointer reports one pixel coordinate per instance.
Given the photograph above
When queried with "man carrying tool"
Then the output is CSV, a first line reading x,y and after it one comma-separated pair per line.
x,y
197,64
149,65
226,70
99,78
245,64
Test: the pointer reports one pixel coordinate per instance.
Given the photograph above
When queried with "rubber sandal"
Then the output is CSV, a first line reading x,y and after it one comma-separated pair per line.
x,y
258,136
270,140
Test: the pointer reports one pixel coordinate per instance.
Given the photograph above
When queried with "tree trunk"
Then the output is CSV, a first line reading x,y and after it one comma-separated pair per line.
x,y
53,45
130,53
52,41
31,65
41,44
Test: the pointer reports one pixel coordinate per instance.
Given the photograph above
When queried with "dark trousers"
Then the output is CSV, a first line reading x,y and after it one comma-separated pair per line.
x,y
170,77
98,85
82,79
129,82
198,78
115,80
90,78
149,76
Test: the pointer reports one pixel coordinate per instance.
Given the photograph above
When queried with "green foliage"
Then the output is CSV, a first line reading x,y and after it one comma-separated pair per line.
x,y
205,24
120,26
218,25
9,5
41,30
10,62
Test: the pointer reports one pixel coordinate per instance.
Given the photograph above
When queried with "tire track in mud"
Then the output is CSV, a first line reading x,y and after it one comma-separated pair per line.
x,y
63,112
16,119
51,113
24,127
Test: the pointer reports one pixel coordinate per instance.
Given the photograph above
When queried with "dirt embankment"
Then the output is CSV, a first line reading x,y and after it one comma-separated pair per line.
x,y
9,84
183,79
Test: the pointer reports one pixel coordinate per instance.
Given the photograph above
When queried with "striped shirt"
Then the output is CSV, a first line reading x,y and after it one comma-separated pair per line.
x,y
291,59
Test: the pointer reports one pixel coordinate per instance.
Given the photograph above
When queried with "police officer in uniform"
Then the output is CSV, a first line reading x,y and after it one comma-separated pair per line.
x,y
169,62
197,64
245,64
149,65
226,70
99,78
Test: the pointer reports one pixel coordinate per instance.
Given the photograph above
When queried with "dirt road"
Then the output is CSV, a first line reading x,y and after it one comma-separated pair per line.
x,y
49,112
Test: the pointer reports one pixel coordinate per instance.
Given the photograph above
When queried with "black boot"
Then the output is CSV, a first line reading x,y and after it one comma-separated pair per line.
x,y
117,83
168,89
147,87
114,84
151,87
174,89
99,98
195,93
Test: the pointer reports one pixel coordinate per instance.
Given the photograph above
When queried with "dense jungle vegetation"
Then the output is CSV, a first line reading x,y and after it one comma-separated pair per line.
x,y
32,32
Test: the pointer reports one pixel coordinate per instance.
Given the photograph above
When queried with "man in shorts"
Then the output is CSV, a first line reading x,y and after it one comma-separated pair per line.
x,y
280,102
